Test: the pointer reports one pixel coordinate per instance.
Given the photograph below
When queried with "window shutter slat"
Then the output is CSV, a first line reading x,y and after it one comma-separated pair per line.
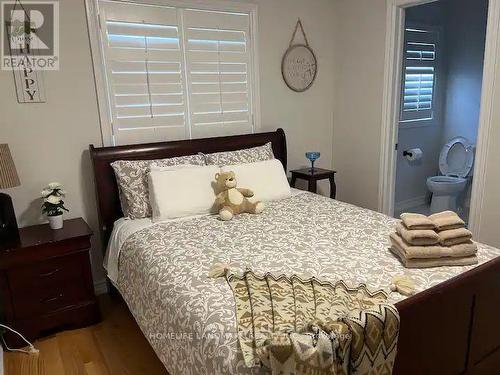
x,y
154,16
213,20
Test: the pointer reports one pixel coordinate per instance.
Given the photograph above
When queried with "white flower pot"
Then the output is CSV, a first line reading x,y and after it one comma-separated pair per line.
x,y
56,222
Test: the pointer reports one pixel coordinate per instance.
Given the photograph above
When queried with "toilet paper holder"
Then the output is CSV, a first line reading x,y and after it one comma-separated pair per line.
x,y
413,154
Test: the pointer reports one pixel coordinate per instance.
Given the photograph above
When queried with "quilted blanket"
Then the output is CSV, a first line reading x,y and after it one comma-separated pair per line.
x,y
311,327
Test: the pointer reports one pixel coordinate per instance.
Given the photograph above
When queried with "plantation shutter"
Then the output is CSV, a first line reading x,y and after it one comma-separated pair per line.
x,y
143,62
419,75
176,73
217,46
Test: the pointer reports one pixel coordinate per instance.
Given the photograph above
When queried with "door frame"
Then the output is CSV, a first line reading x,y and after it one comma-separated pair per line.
x,y
395,20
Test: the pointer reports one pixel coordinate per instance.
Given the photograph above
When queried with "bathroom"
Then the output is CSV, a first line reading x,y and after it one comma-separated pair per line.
x,y
440,104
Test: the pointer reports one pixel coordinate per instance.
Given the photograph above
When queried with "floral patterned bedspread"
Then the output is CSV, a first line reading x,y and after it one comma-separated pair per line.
x,y
189,319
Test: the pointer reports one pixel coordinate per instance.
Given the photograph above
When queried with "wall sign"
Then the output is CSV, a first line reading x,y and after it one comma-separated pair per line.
x,y
29,85
299,65
24,44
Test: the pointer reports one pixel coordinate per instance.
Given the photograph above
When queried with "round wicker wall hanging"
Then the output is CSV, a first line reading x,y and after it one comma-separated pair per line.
x,y
299,65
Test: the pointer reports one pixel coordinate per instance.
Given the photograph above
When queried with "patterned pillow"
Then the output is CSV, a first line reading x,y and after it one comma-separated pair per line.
x,y
132,178
247,155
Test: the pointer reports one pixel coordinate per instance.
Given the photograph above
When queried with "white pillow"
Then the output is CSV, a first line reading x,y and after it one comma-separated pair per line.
x,y
267,179
181,192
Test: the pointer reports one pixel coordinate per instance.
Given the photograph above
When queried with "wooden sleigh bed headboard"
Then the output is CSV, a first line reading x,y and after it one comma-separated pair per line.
x,y
108,202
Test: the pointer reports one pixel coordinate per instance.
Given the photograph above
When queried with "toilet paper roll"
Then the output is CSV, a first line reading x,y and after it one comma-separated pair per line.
x,y
413,154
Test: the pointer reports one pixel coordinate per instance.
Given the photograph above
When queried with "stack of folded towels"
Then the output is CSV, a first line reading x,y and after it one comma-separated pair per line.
x,y
438,240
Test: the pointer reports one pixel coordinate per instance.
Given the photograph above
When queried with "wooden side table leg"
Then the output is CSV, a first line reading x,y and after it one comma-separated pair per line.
x,y
312,186
293,180
333,187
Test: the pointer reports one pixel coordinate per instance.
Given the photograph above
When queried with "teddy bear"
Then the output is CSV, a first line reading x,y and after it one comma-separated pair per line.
x,y
232,200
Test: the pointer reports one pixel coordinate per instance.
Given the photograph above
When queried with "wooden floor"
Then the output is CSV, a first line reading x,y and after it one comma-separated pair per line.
x,y
114,346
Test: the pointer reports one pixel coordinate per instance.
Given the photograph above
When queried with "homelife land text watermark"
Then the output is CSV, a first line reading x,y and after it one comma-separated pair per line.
x,y
29,35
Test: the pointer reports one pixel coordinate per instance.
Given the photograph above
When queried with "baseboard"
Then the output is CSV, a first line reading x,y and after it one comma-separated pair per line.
x,y
100,287
410,203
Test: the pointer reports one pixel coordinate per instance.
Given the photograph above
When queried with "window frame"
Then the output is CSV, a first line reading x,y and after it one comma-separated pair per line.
x,y
97,54
437,100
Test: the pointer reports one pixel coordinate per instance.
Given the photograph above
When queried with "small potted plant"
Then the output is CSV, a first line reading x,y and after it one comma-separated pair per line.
x,y
53,204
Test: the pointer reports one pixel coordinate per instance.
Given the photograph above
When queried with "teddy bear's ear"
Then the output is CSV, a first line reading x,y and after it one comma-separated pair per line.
x,y
217,175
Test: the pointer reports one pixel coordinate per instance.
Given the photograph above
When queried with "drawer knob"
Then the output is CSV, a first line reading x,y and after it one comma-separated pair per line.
x,y
50,273
52,298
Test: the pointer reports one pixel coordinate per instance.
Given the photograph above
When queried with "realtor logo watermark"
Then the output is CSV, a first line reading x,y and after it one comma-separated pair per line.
x,y
30,35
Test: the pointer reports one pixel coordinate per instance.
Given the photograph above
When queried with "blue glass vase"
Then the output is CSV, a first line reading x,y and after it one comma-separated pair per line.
x,y
313,156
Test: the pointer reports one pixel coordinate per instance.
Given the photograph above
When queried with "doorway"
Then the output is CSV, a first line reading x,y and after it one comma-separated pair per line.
x,y
442,69
440,61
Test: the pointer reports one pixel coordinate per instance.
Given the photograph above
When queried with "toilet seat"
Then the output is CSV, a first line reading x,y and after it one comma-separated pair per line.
x,y
446,180
456,158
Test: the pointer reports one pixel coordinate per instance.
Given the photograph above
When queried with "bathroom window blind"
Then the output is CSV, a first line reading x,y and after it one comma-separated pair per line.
x,y
175,73
419,75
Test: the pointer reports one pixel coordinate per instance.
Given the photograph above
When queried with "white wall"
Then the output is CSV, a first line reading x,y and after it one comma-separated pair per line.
x,y
411,177
359,71
49,141
490,215
465,39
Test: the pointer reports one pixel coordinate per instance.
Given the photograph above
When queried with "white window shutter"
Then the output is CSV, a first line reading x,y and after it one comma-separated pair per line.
x,y
419,75
144,71
176,73
218,60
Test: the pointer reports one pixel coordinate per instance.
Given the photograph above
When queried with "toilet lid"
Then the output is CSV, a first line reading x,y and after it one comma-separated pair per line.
x,y
456,158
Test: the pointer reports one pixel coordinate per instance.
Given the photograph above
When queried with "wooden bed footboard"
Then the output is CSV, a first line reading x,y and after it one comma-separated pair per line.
x,y
454,327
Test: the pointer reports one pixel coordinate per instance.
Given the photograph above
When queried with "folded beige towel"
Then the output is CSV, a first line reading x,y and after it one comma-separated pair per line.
x,y
446,220
464,249
426,252
412,252
417,237
434,262
454,236
417,221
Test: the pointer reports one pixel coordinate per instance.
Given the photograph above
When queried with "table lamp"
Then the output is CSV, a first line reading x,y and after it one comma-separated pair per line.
x,y
8,179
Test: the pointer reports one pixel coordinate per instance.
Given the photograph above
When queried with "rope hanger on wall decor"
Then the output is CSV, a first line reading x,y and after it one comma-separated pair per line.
x,y
299,65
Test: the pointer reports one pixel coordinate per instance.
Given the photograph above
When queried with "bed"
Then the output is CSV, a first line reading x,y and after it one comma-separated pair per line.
x,y
449,327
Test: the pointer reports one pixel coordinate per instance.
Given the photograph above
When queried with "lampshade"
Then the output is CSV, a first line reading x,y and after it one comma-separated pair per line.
x,y
8,173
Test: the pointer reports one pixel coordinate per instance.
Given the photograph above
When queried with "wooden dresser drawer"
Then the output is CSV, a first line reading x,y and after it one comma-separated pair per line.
x,y
49,300
47,274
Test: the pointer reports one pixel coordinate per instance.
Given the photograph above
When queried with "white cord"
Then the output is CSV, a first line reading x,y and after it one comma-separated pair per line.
x,y
31,349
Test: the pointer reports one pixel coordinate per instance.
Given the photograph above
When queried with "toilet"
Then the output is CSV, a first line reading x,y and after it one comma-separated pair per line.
x,y
455,163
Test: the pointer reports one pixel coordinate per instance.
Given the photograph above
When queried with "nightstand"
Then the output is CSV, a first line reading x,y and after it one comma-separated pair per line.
x,y
46,281
313,177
